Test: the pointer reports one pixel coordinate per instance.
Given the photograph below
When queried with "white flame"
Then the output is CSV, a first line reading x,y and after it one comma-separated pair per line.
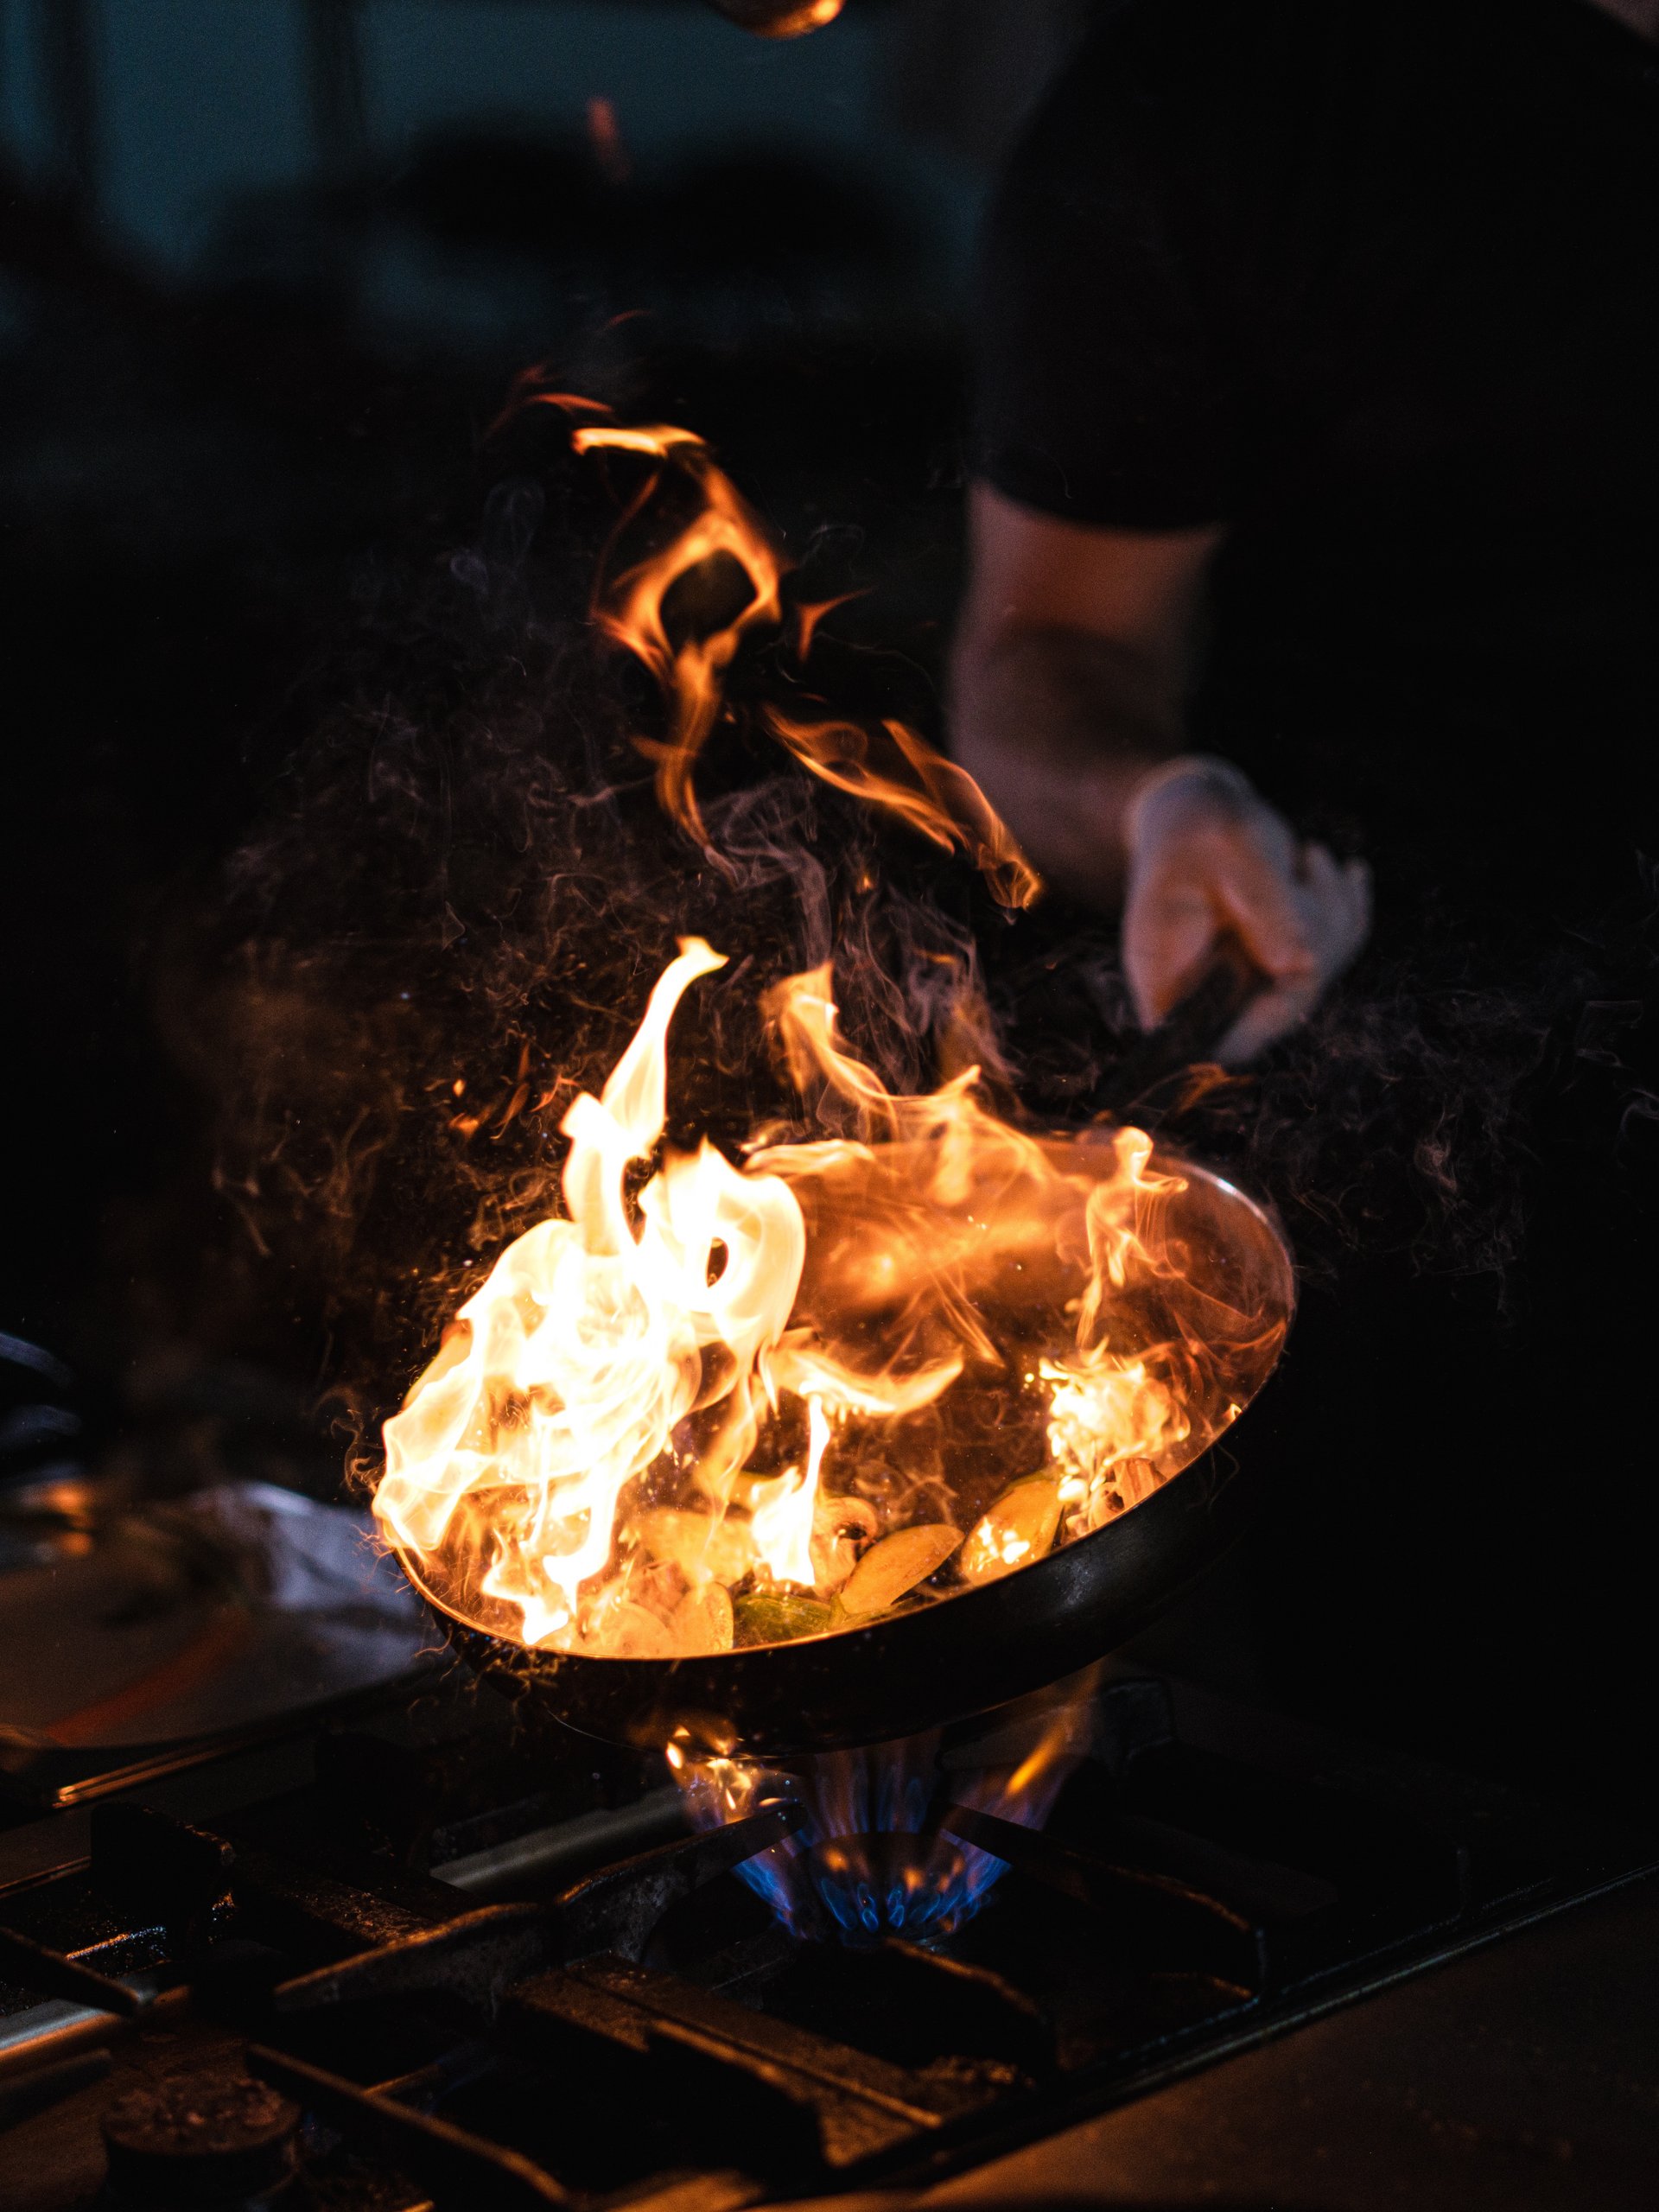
x,y
782,1517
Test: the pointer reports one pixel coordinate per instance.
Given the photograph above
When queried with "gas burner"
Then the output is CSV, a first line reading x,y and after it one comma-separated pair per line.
x,y
888,1883
361,1992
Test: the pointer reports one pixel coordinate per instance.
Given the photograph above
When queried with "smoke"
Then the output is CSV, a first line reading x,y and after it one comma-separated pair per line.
x,y
1414,1118
462,889
450,916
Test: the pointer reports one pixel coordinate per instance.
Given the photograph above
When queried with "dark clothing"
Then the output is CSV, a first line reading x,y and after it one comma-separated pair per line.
x,y
1376,283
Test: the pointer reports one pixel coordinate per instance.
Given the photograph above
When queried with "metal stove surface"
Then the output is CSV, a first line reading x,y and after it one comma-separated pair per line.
x,y
431,1960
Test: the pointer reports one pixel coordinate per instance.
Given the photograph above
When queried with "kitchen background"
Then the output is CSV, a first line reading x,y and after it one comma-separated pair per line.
x,y
266,271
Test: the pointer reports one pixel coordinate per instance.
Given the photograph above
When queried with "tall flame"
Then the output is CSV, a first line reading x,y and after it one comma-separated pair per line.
x,y
890,765
628,602
709,1405
783,1513
566,1373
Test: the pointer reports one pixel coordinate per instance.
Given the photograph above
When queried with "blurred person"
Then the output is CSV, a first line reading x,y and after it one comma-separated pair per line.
x,y
1316,511
1318,457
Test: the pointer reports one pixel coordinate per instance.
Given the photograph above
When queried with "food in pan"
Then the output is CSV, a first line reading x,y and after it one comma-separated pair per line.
x,y
712,1407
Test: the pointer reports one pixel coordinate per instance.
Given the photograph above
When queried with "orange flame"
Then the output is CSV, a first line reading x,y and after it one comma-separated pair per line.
x,y
605,138
780,18
629,605
807,618
891,767
971,1333
795,21
713,1405
900,771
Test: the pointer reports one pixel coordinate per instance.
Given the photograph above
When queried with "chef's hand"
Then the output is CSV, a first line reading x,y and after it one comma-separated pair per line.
x,y
1207,855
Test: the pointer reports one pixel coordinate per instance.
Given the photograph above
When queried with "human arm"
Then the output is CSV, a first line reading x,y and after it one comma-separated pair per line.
x,y
1070,666
1067,678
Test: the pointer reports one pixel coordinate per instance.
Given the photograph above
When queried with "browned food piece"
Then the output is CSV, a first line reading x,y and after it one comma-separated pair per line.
x,y
702,1622
896,1564
704,1549
1136,1480
1020,1527
842,1526
633,1631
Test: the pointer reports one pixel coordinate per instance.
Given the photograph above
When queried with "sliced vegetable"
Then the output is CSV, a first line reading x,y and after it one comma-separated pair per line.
x,y
701,1622
840,1527
898,1563
1136,1480
704,1548
633,1632
777,1618
1020,1527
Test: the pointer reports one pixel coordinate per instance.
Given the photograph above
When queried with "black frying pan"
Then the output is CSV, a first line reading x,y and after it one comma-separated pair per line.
x,y
964,1654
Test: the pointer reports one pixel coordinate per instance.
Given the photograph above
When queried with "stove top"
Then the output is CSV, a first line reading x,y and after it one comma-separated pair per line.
x,y
430,1959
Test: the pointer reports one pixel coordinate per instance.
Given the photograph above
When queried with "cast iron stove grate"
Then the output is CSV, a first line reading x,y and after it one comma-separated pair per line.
x,y
384,1989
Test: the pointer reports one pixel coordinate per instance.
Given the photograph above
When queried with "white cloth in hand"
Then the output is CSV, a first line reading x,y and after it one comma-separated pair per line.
x,y
1207,855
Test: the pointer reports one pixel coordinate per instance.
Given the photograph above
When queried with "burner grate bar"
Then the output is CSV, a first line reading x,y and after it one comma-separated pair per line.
x,y
456,2163
1186,1926
280,1900
617,1910
661,1997
47,2086
542,1854
48,1972
476,1955
154,1868
702,2071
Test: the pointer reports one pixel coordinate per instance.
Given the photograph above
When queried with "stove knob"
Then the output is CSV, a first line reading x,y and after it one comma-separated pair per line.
x,y
226,2142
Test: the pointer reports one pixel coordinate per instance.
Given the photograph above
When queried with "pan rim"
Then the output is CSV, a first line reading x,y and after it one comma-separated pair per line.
x,y
725,1670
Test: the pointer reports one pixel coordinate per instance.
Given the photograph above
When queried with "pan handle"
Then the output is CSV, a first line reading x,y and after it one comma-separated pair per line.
x,y
1140,1087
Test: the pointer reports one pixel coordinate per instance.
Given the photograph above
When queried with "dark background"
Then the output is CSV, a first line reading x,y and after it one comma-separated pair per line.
x,y
266,272
267,269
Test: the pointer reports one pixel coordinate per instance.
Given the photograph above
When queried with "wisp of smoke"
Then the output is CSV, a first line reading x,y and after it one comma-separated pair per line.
x,y
449,918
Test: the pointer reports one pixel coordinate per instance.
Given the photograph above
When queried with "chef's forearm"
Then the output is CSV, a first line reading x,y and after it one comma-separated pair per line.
x,y
1057,727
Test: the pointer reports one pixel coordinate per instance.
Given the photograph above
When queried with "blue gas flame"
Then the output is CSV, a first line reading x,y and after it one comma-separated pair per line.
x,y
850,1869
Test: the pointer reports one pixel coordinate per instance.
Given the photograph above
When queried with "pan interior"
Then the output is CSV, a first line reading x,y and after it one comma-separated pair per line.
x,y
1194,1327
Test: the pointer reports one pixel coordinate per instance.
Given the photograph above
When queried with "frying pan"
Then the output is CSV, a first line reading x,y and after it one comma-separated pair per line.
x,y
983,1646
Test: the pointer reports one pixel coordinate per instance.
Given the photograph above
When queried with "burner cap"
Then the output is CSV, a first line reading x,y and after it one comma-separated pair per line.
x,y
888,1884
223,2141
